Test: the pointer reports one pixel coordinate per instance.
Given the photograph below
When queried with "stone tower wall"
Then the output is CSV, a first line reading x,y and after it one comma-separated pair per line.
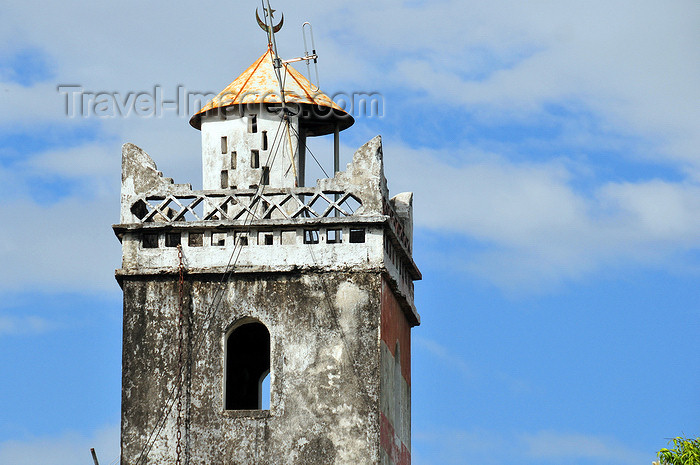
x,y
325,377
331,282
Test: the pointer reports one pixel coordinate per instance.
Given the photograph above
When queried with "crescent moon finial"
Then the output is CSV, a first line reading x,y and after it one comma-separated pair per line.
x,y
263,24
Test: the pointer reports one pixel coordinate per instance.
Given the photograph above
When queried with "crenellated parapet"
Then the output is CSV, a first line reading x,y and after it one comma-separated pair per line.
x,y
347,222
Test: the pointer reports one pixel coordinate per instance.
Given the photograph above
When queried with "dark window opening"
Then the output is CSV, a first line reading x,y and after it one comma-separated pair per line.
x,y
266,176
241,238
224,144
247,366
224,179
195,239
311,236
253,123
149,241
255,159
334,236
357,236
172,239
234,156
269,239
263,143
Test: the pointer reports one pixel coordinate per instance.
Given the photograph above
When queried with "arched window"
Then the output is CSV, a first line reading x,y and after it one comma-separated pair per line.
x,y
247,365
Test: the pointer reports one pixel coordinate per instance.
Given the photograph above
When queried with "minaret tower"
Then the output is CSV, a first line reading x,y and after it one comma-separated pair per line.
x,y
266,322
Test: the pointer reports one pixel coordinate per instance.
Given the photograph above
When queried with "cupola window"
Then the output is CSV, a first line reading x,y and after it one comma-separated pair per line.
x,y
253,123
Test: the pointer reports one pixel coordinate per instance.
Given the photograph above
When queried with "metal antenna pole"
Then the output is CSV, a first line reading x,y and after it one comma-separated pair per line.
x,y
336,157
277,64
94,456
313,52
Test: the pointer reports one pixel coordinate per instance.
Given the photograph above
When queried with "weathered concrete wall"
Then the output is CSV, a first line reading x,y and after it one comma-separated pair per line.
x,y
256,255
141,176
325,368
395,384
403,204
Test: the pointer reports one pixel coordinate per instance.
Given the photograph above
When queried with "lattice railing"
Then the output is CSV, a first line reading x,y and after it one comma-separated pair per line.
x,y
249,204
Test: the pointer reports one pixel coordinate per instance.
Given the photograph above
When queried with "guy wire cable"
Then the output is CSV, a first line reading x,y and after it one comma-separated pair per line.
x,y
170,402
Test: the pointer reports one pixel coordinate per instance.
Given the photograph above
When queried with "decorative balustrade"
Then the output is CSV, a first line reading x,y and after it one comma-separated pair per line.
x,y
244,204
256,204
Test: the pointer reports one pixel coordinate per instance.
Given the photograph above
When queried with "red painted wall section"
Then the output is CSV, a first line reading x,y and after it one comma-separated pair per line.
x,y
396,450
395,327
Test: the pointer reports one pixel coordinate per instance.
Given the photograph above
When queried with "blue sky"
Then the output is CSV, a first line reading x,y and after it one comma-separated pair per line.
x,y
553,151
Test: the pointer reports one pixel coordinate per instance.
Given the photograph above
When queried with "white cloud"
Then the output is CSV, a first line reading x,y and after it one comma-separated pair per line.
x,y
461,447
66,449
535,227
21,104
484,447
633,65
68,245
555,447
445,355
449,357
89,160
629,94
24,325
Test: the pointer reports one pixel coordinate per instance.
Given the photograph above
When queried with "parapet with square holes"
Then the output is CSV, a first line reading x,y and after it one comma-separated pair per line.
x,y
347,222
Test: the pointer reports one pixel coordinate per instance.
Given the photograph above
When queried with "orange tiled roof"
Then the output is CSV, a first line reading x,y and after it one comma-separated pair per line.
x,y
258,84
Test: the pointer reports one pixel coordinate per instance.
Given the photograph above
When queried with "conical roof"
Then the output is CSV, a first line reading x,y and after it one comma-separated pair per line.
x,y
258,84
